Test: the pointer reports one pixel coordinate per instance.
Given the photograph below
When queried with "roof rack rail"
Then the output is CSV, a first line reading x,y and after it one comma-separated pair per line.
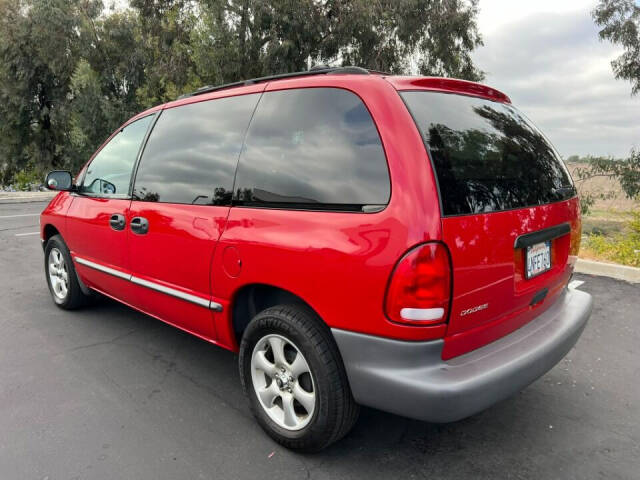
x,y
317,70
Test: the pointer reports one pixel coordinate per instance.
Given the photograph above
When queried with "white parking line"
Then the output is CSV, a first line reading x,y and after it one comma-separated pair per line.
x,y
21,215
575,284
25,234
20,197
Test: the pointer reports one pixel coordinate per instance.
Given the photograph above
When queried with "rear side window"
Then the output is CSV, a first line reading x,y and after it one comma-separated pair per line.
x,y
313,148
487,155
192,152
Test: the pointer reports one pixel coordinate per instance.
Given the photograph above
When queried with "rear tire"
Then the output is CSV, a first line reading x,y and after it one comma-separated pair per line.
x,y
293,376
61,275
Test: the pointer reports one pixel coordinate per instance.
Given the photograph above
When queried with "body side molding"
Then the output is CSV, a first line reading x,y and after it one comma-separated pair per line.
x,y
203,302
102,268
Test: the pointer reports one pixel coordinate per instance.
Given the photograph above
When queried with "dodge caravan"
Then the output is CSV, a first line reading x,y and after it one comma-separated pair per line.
x,y
404,243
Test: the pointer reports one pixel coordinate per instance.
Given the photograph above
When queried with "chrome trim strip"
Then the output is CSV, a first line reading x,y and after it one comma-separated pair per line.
x,y
171,291
203,302
102,268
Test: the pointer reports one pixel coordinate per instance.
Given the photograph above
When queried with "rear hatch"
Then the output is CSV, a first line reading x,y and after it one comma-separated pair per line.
x,y
510,216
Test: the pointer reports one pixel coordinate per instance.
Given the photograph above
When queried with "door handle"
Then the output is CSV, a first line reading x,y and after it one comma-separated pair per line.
x,y
139,225
117,221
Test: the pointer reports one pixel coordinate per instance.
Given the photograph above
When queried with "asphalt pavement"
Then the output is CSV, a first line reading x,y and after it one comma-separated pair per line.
x,y
109,393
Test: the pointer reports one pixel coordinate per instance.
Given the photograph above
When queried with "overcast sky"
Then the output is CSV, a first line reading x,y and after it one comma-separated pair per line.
x,y
547,57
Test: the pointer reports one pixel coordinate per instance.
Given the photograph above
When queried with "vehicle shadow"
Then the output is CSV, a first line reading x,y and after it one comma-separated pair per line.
x,y
381,445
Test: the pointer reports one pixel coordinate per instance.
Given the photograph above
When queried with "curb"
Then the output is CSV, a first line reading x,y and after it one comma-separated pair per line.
x,y
26,197
619,272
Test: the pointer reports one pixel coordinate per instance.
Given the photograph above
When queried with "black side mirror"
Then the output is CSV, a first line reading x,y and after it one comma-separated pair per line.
x,y
59,180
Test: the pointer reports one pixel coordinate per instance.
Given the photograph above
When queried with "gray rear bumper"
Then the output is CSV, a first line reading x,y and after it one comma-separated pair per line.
x,y
412,380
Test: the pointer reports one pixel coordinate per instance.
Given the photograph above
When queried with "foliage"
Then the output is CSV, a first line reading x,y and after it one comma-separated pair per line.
x,y
71,71
625,171
249,38
622,248
581,177
620,23
38,46
27,177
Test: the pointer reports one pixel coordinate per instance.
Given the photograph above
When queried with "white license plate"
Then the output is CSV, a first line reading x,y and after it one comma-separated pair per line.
x,y
538,259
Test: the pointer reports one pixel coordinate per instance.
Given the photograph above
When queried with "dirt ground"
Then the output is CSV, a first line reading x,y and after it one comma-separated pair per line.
x,y
618,203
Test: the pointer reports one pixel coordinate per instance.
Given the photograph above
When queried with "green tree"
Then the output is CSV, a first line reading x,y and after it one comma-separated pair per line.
x,y
430,37
105,85
165,37
71,71
619,21
39,45
239,39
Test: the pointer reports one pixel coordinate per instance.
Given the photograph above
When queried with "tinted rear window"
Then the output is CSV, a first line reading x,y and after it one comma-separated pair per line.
x,y
312,148
487,155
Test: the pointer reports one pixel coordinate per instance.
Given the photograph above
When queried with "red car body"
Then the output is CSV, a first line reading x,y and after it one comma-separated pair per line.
x,y
339,263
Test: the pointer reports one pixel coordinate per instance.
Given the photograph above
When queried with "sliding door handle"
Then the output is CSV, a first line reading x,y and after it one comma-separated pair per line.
x,y
117,221
139,225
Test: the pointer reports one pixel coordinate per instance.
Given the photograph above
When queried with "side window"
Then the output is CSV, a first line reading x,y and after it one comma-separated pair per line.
x,y
312,148
192,153
109,173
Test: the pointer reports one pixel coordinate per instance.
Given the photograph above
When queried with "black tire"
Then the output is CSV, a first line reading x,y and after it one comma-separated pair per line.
x,y
335,410
74,297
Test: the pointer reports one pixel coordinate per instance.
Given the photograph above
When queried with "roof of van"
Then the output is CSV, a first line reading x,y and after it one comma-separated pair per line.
x,y
401,83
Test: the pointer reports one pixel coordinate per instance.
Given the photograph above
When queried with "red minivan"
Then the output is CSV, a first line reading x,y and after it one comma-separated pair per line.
x,y
404,243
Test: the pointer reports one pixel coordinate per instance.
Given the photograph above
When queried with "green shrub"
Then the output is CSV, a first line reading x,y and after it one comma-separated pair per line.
x,y
621,248
26,177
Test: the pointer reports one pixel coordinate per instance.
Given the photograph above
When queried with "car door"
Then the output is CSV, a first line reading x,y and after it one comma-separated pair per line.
x,y
181,200
96,220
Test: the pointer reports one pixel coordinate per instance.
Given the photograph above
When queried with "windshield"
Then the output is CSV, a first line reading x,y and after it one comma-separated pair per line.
x,y
487,155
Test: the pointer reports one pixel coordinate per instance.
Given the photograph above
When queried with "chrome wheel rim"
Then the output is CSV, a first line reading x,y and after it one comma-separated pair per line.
x,y
283,382
58,274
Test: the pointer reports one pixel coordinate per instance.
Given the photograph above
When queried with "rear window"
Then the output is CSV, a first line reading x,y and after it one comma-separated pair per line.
x,y
312,148
487,155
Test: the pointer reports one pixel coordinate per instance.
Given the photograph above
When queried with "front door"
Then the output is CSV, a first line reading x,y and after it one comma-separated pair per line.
x,y
96,230
181,200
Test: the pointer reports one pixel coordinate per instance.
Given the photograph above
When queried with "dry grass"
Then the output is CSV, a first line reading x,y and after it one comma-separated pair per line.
x,y
608,232
602,185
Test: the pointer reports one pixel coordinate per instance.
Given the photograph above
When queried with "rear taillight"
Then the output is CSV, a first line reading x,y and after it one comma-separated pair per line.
x,y
420,286
576,236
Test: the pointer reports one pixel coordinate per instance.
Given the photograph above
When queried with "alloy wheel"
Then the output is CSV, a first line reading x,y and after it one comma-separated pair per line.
x,y
58,274
283,382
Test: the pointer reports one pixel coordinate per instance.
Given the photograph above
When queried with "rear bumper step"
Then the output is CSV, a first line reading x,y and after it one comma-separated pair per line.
x,y
412,380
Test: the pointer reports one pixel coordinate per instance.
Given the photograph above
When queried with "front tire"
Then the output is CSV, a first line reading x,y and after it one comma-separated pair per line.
x,y
61,275
293,376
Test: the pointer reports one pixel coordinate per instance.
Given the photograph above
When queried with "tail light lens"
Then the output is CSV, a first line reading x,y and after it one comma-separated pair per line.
x,y
420,286
576,236
574,242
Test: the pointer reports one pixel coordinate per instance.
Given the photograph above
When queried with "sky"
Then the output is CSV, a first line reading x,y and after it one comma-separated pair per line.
x,y
547,57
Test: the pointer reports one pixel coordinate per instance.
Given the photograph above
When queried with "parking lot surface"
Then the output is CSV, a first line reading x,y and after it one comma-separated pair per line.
x,y
109,393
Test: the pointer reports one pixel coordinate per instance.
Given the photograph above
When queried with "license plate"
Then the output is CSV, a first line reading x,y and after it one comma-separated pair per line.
x,y
538,259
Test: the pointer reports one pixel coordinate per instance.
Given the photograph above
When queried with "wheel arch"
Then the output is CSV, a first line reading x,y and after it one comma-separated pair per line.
x,y
48,231
253,298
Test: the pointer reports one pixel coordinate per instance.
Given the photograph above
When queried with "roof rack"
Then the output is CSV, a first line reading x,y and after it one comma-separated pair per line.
x,y
317,70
